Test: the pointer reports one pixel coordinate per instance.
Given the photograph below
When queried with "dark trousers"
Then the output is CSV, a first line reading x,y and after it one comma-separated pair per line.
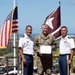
x,y
63,65
28,67
45,64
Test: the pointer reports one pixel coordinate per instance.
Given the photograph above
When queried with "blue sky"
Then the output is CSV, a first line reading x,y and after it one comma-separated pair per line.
x,y
34,12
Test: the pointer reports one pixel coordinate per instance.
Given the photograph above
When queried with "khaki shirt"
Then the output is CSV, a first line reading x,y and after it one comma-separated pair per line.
x,y
43,40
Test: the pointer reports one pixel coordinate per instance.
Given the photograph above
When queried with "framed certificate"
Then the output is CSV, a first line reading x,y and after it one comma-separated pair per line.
x,y
45,49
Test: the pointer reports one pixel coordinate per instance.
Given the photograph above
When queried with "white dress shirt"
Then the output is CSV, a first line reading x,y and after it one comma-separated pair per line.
x,y
26,43
66,45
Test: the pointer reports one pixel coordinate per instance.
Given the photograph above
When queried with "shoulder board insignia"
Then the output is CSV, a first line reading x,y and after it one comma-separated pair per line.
x,y
23,36
59,38
69,37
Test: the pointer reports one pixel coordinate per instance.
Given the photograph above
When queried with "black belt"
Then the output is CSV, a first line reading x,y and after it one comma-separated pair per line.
x,y
64,54
43,54
28,54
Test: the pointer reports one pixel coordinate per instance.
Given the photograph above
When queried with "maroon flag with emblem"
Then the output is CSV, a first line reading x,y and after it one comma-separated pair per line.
x,y
53,22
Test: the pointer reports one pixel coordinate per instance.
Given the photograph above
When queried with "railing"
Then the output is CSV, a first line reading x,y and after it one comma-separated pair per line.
x,y
17,64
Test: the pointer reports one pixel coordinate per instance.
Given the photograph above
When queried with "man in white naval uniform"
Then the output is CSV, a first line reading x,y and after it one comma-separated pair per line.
x,y
26,51
66,51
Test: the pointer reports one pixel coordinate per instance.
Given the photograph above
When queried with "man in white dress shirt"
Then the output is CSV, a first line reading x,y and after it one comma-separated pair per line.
x,y
66,51
26,51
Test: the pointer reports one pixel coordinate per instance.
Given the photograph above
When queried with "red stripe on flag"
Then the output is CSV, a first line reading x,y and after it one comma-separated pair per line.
x,y
5,34
2,35
14,31
15,22
9,32
15,26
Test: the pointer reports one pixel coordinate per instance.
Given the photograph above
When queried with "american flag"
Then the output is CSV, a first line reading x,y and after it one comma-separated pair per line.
x,y
10,26
6,31
15,20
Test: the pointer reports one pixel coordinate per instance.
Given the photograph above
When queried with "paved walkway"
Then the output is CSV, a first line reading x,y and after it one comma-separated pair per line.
x,y
59,74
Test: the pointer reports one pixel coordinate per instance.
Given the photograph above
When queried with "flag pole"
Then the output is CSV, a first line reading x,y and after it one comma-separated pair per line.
x,y
14,3
59,3
60,12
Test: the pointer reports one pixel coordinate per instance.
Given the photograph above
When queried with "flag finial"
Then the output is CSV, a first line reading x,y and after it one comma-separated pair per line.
x,y
59,3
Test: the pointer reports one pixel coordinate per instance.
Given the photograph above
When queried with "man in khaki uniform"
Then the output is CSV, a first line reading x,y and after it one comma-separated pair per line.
x,y
44,61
